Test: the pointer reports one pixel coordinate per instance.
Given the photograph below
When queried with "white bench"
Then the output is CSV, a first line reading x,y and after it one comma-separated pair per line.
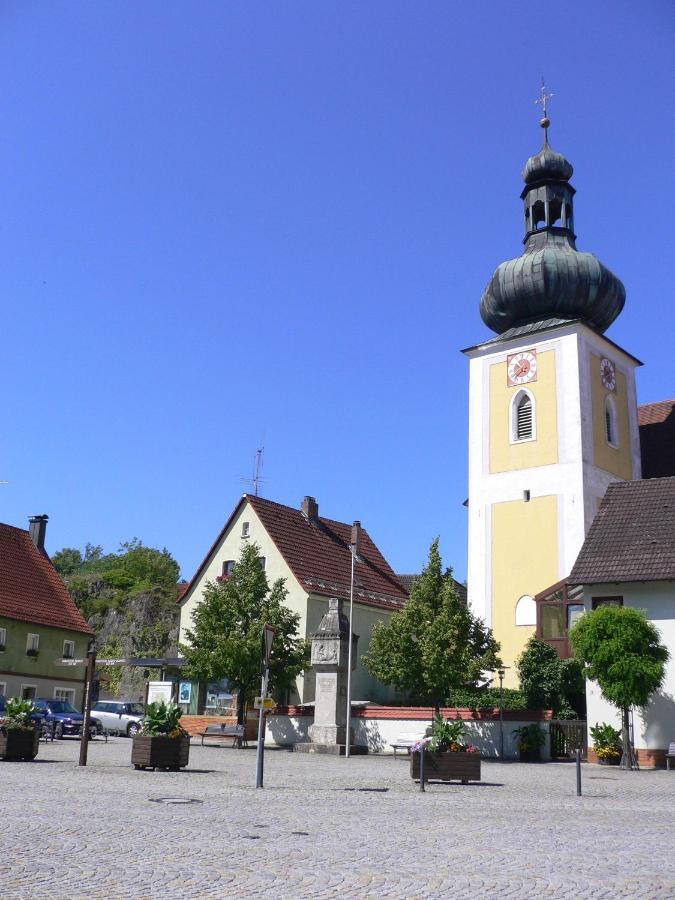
x,y
670,754
406,740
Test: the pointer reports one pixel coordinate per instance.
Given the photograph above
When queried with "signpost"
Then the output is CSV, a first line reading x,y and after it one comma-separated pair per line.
x,y
266,649
84,737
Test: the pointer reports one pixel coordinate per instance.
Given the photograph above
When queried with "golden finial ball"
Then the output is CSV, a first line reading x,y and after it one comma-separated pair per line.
x,y
545,122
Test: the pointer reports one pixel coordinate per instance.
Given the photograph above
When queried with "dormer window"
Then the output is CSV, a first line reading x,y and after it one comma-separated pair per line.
x,y
245,529
522,417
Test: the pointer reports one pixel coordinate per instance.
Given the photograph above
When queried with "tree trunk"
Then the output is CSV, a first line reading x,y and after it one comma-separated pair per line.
x,y
626,760
240,707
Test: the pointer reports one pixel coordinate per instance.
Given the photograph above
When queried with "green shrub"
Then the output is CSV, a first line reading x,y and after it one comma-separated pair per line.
x,y
486,698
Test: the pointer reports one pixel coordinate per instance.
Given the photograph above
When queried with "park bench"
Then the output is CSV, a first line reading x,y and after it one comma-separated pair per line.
x,y
670,754
405,741
214,730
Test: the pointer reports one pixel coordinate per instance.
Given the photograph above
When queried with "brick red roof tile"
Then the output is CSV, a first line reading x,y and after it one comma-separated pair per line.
x,y
30,588
632,538
318,555
657,438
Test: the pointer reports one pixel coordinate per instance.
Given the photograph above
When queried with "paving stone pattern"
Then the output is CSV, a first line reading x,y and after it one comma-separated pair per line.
x,y
327,827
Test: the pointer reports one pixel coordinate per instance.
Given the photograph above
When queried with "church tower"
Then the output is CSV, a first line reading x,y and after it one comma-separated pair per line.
x,y
552,410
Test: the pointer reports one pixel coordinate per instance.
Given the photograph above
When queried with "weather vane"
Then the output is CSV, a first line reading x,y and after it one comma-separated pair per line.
x,y
542,99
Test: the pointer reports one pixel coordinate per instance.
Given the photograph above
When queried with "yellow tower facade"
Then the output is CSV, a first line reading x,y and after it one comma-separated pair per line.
x,y
552,411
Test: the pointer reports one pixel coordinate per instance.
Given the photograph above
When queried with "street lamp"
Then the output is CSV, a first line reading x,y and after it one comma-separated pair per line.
x,y
501,672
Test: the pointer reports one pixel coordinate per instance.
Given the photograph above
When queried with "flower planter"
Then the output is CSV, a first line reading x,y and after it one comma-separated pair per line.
x,y
462,767
19,743
530,755
609,760
160,752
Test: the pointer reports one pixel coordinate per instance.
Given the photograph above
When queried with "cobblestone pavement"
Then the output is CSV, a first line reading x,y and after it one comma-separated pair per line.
x,y
324,827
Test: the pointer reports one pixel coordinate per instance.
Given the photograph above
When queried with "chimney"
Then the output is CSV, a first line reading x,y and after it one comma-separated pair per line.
x,y
310,509
38,530
356,535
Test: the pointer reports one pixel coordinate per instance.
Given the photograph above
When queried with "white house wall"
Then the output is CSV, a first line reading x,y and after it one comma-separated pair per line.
x,y
655,725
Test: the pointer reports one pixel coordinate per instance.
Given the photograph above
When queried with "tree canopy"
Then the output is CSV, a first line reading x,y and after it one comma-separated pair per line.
x,y
622,651
549,682
434,645
225,638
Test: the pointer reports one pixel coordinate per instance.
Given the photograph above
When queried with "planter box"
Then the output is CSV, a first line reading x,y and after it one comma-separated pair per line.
x,y
19,744
160,752
530,755
462,767
610,761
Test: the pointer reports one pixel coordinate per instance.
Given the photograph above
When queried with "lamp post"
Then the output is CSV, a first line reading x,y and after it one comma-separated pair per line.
x,y
501,672
352,550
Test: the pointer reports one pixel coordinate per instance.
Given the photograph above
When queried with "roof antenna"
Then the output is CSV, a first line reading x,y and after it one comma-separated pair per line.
x,y
257,470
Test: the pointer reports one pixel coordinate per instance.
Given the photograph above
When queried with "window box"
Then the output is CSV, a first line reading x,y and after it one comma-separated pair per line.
x,y
32,652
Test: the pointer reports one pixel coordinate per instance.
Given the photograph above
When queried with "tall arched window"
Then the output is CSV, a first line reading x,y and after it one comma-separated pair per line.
x,y
522,417
611,431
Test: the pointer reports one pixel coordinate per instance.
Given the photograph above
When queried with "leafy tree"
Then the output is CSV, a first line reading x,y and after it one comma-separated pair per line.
x,y
434,645
621,650
67,561
111,675
225,638
549,682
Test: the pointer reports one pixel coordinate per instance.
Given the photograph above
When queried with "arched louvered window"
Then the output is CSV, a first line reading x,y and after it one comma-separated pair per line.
x,y
611,433
523,417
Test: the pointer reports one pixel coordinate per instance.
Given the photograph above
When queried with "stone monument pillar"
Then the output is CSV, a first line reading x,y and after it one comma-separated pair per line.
x,y
330,652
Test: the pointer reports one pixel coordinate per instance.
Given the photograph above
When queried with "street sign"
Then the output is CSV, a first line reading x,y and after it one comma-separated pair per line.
x,y
264,703
267,637
70,662
112,662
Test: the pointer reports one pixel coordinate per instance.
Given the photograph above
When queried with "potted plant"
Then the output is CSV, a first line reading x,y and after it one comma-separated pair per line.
x,y
531,739
19,736
162,743
447,755
606,744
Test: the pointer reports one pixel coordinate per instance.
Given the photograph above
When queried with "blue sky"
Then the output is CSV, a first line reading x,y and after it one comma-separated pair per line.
x,y
224,225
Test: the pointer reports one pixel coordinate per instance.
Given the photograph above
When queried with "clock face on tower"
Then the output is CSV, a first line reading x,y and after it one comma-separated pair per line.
x,y
607,374
521,368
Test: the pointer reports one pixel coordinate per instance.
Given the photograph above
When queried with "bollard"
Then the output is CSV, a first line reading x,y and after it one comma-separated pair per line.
x,y
422,767
578,755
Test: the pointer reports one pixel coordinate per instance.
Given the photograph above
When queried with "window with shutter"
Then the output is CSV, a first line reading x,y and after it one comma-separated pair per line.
x,y
524,419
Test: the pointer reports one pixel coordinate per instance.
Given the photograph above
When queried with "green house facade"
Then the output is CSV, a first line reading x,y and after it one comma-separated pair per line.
x,y
42,632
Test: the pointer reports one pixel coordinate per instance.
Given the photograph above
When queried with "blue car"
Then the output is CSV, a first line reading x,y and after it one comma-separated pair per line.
x,y
62,718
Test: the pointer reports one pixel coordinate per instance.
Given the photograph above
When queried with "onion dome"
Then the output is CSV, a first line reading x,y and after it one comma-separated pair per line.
x,y
552,279
547,164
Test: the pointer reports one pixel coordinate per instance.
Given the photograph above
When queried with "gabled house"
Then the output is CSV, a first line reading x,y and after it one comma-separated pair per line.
x,y
312,554
628,559
40,625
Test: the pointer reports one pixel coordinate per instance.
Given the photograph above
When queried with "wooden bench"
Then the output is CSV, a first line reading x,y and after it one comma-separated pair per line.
x,y
670,755
405,741
236,732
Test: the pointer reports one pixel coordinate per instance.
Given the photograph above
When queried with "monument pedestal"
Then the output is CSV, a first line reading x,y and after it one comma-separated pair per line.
x,y
330,654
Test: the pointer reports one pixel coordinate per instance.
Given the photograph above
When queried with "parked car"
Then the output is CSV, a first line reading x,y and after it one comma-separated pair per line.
x,y
63,718
120,715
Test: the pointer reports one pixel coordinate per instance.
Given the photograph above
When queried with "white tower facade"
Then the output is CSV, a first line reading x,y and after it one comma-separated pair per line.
x,y
552,411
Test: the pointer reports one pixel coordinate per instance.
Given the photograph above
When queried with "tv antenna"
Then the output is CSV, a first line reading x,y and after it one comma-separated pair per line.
x,y
257,479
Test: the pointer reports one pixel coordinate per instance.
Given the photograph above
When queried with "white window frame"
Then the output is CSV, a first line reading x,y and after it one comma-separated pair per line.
x,y
30,644
3,639
3,688
513,417
33,686
65,690
70,655
246,529
610,409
